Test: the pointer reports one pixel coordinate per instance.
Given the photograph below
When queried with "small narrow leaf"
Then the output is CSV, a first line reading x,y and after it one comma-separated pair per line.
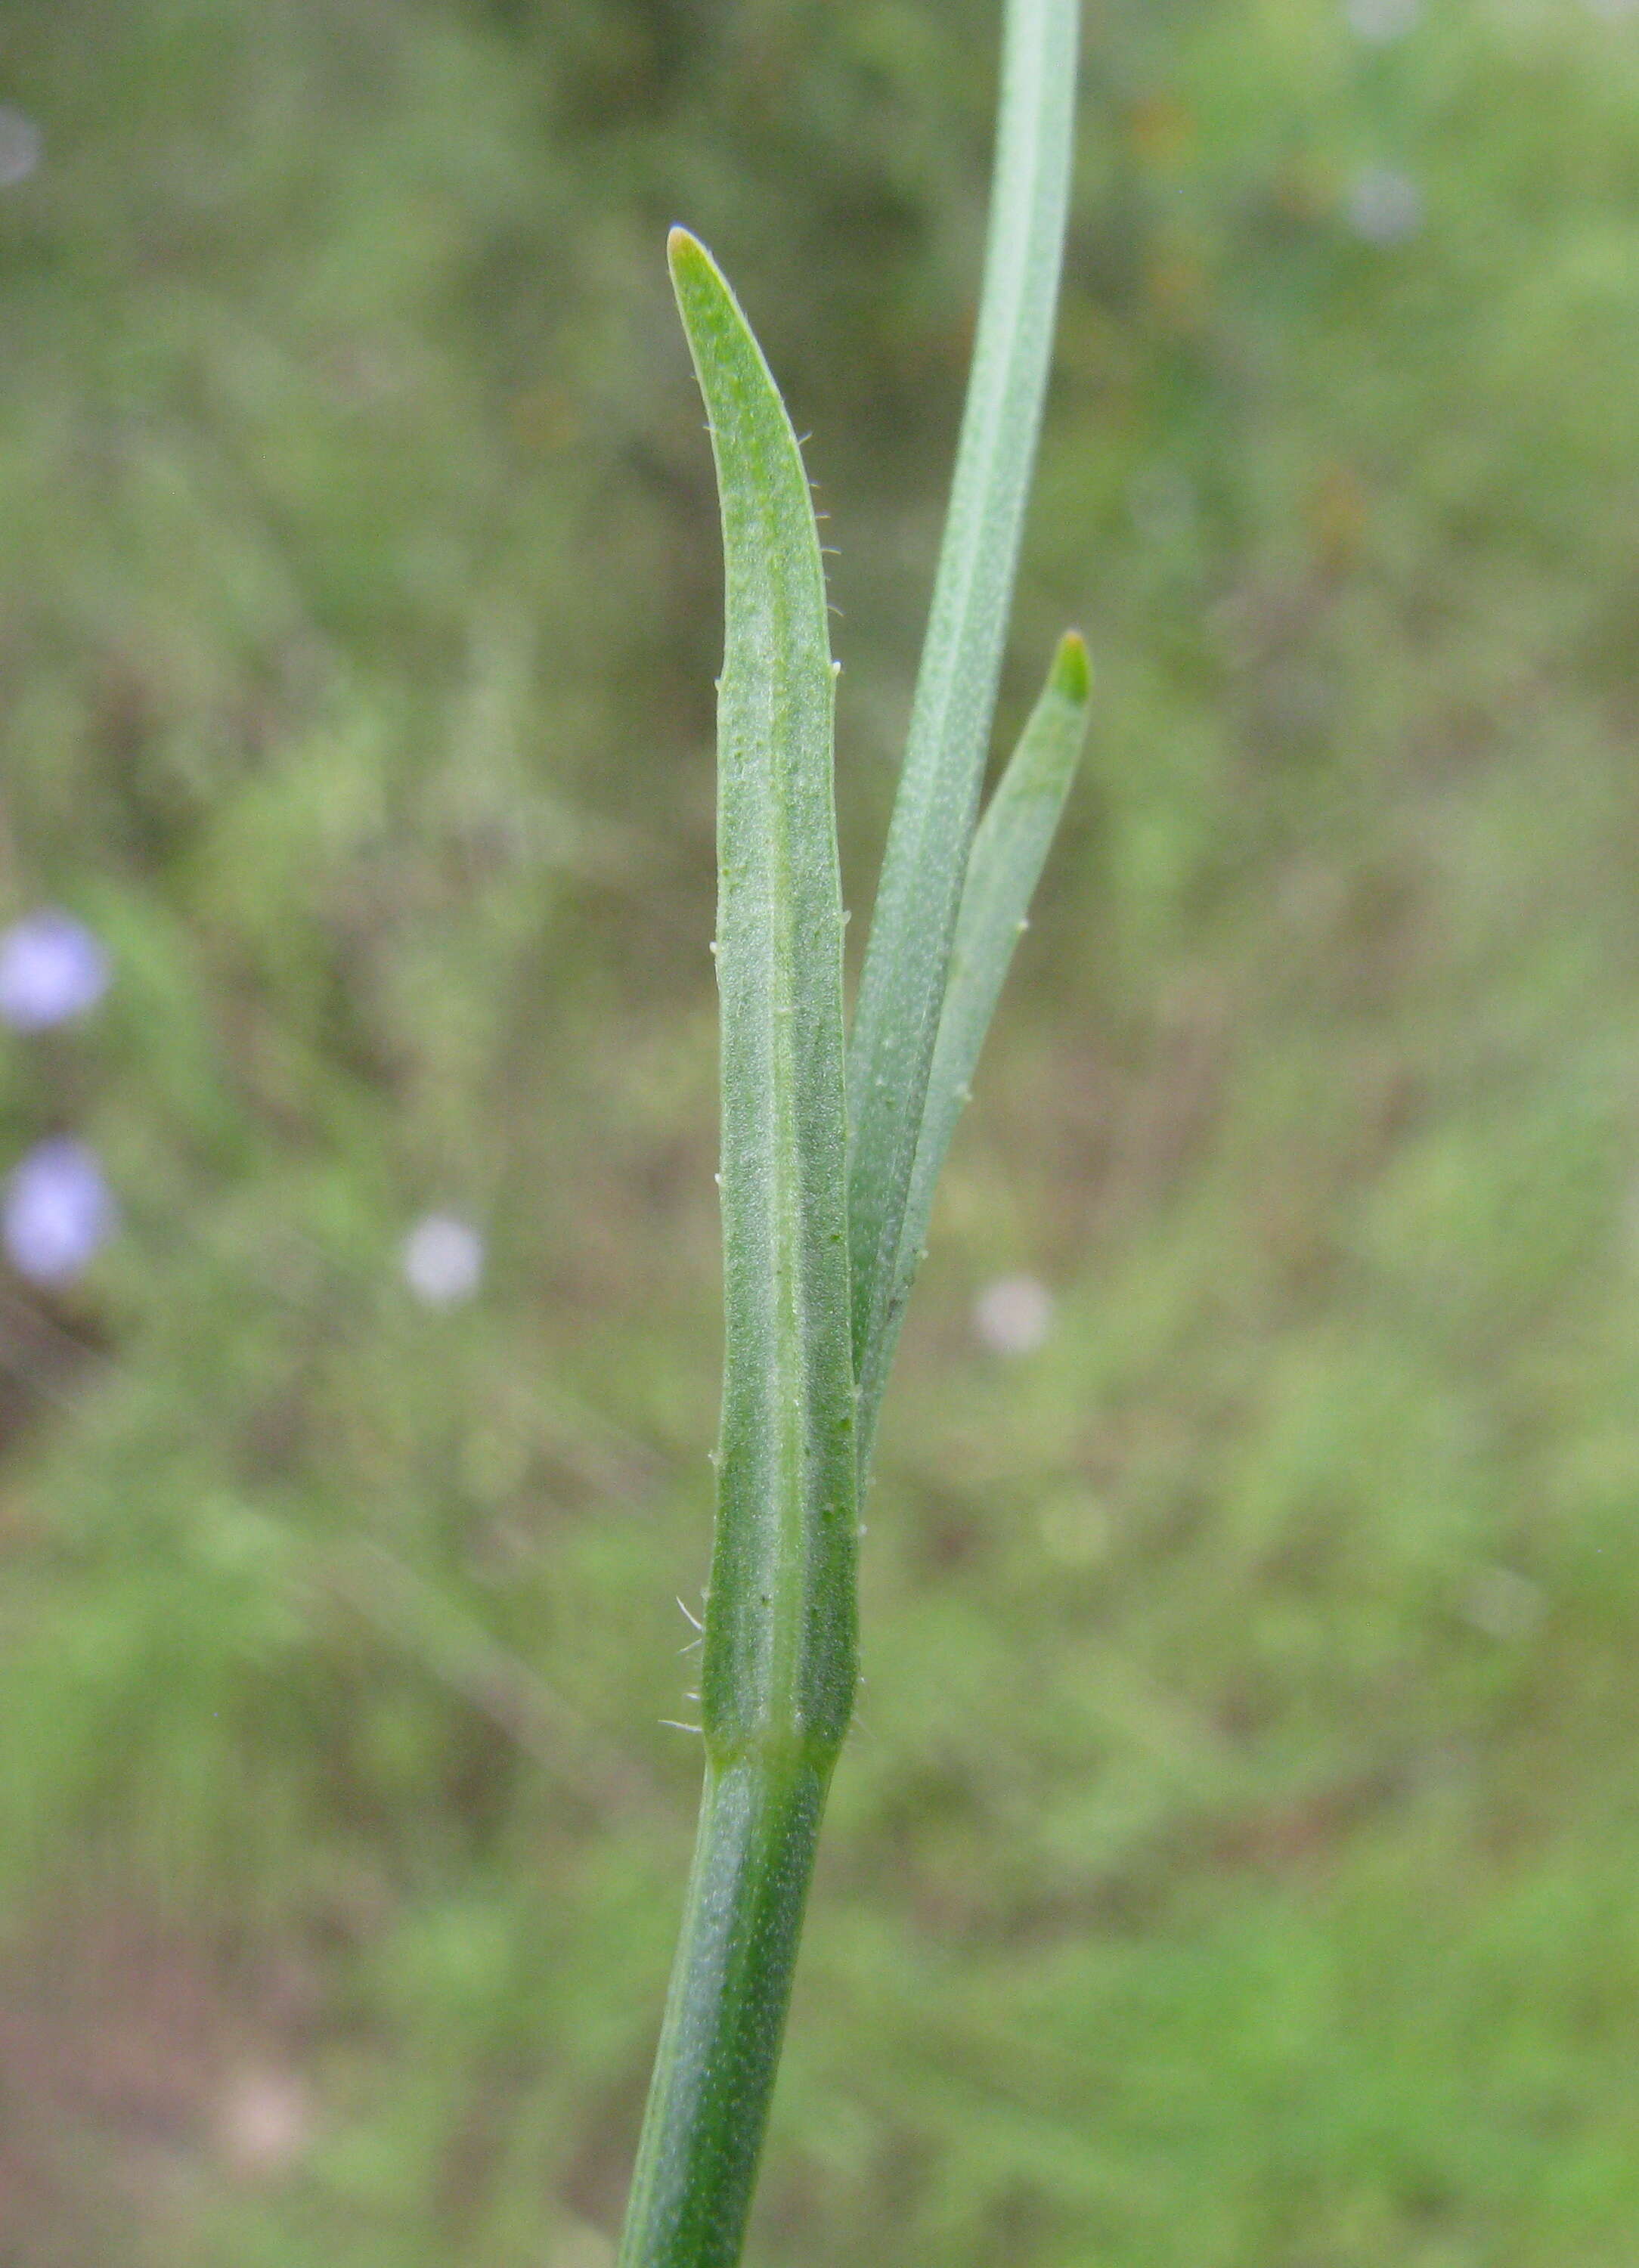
x,y
1008,853
780,1630
903,984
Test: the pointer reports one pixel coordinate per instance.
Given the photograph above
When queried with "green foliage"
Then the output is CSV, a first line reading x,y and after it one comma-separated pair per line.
x,y
781,1649
780,1644
1270,1904
780,1652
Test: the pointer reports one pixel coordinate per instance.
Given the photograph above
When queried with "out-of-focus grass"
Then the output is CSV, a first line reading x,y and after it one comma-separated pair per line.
x,y
1235,1864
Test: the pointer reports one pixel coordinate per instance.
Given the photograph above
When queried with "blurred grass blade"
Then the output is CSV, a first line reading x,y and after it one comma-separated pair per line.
x,y
781,1646
1008,853
903,982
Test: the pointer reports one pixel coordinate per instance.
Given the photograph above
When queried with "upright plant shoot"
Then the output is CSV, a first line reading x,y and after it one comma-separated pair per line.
x,y
821,1234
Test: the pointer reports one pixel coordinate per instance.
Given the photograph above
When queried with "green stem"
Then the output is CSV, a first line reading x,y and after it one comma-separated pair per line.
x,y
725,2014
811,1245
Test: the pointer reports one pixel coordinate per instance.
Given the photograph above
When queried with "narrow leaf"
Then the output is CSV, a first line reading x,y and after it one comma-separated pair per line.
x,y
902,985
1008,853
780,1627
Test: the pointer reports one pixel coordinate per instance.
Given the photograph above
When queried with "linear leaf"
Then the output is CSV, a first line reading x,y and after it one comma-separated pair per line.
x,y
902,985
1008,853
780,1632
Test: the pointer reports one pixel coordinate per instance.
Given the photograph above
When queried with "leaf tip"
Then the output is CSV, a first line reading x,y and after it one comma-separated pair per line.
x,y
1072,670
685,255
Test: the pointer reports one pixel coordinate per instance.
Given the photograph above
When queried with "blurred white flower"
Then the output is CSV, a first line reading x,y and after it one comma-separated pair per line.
x,y
443,1260
1379,21
57,1211
266,2122
51,969
1385,206
1013,1315
22,145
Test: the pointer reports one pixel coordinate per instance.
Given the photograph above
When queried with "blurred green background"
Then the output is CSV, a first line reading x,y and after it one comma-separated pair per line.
x,y
1236,1864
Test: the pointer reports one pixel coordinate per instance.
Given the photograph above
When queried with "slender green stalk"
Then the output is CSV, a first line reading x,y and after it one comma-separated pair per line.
x,y
779,1646
725,2014
903,984
779,1660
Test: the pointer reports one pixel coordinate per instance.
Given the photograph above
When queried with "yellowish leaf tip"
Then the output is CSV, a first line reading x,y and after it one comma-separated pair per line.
x,y
683,248
1072,671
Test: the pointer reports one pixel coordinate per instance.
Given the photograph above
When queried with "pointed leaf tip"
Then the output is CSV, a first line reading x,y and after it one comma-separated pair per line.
x,y
684,249
1072,671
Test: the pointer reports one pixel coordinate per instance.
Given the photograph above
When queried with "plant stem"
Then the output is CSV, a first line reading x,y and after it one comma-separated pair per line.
x,y
812,1261
725,2014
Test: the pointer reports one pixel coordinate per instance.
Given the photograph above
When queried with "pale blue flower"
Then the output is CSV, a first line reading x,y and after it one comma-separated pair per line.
x,y
51,969
443,1260
57,1211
